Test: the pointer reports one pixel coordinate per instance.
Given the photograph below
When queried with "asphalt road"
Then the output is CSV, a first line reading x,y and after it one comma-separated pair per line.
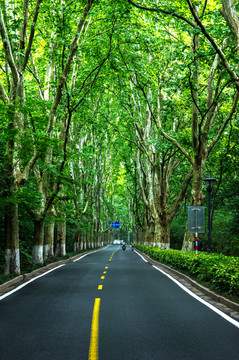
x,y
143,315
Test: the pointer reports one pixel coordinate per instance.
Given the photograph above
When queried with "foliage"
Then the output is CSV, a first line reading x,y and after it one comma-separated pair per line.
x,y
131,69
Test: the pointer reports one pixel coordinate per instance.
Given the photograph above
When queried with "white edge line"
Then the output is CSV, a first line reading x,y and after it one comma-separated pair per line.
x,y
219,312
27,282
141,256
213,308
92,252
37,277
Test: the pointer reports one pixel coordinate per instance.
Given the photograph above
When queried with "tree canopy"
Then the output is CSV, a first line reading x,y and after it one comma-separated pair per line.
x,y
116,111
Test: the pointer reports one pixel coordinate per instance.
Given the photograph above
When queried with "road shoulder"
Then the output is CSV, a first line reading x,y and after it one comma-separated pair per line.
x,y
21,279
229,307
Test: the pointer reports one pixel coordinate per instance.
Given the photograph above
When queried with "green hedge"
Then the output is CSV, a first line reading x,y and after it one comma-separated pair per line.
x,y
219,271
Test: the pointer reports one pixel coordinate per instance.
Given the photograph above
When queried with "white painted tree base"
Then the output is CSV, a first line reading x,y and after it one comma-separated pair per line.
x,y
76,247
163,246
60,250
37,254
12,261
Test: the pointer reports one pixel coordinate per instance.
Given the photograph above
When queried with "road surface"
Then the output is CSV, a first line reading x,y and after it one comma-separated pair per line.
x,y
111,305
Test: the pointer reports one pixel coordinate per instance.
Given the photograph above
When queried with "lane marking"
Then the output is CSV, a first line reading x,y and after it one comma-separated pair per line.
x,y
94,337
37,277
100,287
28,282
113,254
213,308
92,252
104,272
102,277
141,256
106,267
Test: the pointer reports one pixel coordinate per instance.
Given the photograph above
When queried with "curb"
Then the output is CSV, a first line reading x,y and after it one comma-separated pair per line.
x,y
219,298
11,283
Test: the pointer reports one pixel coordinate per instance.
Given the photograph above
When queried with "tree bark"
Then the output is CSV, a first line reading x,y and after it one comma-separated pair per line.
x,y
61,239
12,255
37,251
232,18
197,198
49,240
77,242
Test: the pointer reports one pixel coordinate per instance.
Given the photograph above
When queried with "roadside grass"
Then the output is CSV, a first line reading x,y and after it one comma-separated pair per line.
x,y
217,272
4,278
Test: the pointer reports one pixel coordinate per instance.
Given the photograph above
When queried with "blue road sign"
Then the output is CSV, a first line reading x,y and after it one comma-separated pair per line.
x,y
115,225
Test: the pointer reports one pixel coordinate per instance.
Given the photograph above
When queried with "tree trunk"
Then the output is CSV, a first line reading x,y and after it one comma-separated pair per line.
x,y
150,234
61,239
196,200
12,256
49,240
198,145
232,18
164,234
77,245
37,251
157,233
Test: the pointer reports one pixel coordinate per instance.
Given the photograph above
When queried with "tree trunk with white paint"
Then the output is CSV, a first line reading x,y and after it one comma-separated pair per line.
x,y
37,251
49,240
61,239
77,242
12,256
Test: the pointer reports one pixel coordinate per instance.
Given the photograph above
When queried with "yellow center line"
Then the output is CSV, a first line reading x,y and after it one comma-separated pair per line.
x,y
104,272
94,337
112,255
100,287
102,277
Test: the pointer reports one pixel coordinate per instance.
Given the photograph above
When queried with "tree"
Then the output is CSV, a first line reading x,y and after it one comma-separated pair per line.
x,y
206,128
16,66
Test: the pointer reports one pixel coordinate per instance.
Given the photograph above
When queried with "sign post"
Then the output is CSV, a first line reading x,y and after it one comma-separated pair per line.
x,y
196,222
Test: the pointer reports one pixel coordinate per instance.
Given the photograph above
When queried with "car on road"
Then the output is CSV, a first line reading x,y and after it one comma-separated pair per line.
x,y
118,242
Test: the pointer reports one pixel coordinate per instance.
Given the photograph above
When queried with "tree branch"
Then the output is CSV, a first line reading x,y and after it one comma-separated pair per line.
x,y
8,52
231,16
31,37
24,24
180,196
142,187
3,94
66,70
163,12
214,44
228,118
183,151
